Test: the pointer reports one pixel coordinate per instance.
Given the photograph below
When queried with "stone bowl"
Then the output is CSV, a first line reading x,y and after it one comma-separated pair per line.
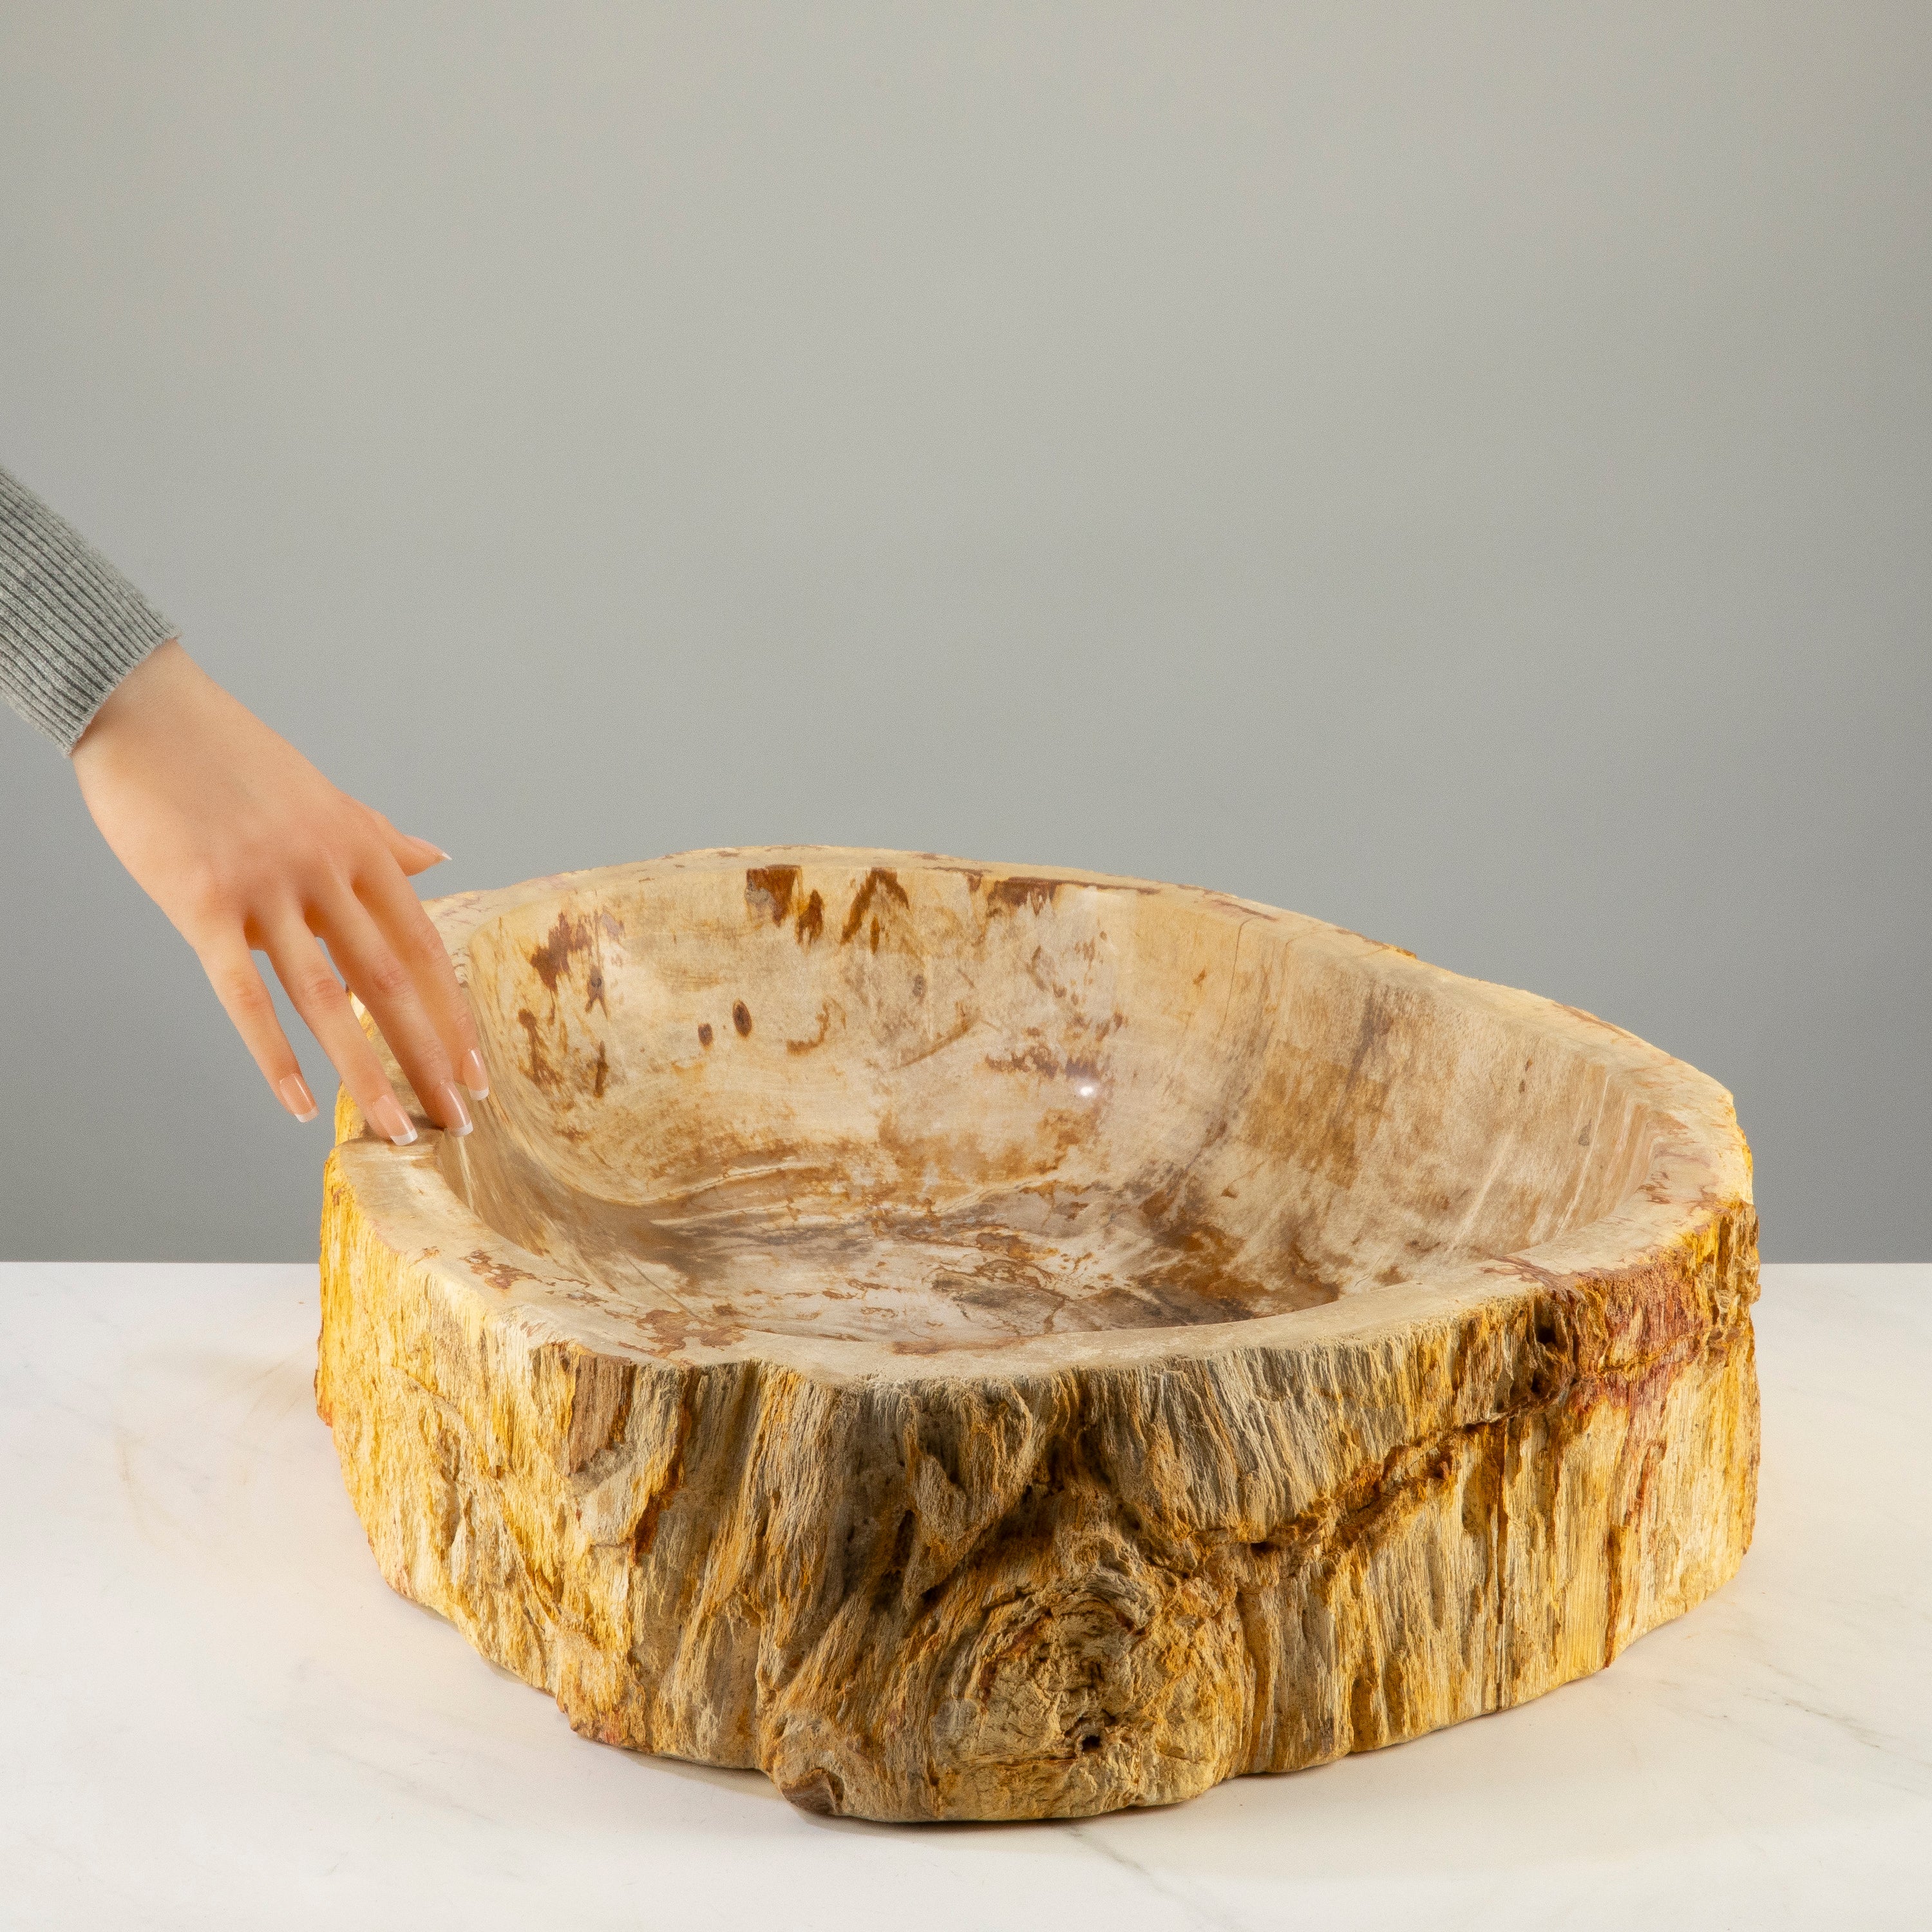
x,y
980,1344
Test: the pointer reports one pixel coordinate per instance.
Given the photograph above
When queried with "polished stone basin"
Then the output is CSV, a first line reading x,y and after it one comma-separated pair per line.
x,y
1315,1346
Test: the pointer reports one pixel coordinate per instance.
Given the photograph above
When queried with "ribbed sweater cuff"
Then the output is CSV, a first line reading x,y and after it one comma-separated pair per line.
x,y
71,626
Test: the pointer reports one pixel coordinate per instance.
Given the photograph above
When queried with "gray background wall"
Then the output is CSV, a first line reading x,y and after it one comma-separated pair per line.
x,y
1463,472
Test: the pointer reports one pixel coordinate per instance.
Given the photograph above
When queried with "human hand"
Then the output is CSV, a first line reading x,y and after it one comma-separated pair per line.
x,y
247,848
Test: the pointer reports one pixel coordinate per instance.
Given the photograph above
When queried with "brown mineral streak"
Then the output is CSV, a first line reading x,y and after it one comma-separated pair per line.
x,y
552,958
1052,1363
770,887
879,881
1009,895
501,1275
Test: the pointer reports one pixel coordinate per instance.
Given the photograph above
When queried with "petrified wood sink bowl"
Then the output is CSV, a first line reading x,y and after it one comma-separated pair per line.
x,y
975,1345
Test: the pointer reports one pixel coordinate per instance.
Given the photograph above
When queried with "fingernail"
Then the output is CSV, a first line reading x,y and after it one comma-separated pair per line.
x,y
296,1097
456,1114
387,1117
474,1075
440,853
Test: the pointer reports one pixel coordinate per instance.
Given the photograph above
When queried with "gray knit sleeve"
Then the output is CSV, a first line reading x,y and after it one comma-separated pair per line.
x,y
71,626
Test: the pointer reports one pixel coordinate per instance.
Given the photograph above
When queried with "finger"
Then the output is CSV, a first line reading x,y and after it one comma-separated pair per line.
x,y
231,970
412,854
304,971
380,975
412,932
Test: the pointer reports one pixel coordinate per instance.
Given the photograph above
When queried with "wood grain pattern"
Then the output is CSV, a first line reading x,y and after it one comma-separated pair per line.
x,y
979,1344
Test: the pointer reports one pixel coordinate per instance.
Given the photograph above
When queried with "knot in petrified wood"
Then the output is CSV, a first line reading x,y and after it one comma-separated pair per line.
x,y
976,1344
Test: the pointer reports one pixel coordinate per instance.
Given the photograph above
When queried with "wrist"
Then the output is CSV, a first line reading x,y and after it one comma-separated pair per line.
x,y
162,680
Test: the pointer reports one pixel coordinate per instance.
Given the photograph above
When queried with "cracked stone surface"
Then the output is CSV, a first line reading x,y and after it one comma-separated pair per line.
x,y
981,1344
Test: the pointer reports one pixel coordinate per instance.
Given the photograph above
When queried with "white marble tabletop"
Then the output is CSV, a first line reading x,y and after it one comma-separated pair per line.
x,y
214,1713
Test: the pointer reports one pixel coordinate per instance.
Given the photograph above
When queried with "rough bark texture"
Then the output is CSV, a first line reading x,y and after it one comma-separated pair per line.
x,y
1177,1339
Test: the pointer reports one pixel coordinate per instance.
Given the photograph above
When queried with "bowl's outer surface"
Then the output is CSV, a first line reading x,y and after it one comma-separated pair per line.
x,y
977,1343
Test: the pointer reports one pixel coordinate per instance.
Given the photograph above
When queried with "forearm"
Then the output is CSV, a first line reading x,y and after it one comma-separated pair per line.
x,y
71,626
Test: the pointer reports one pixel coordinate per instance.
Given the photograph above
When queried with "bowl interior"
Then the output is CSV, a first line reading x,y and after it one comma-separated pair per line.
x,y
937,1106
